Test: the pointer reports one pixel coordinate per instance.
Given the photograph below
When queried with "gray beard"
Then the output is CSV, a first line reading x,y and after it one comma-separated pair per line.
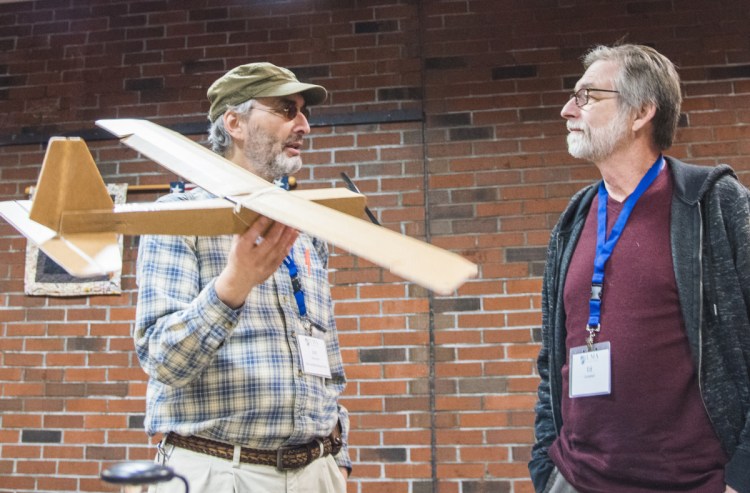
x,y
598,144
267,157
282,165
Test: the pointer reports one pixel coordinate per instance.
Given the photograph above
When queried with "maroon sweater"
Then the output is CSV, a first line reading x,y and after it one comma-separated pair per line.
x,y
652,433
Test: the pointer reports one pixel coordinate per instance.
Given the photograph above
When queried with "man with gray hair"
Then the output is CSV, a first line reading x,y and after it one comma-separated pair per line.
x,y
227,327
645,385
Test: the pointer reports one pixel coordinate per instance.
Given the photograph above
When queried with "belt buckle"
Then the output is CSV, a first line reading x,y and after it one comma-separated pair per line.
x,y
280,459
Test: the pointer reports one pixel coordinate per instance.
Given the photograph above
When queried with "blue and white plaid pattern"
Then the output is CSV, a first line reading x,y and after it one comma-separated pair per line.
x,y
234,375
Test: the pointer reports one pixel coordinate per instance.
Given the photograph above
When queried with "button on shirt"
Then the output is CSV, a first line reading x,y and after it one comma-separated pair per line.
x,y
234,375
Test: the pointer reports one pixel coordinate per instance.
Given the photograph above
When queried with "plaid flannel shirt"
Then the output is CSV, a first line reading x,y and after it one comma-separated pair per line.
x,y
234,375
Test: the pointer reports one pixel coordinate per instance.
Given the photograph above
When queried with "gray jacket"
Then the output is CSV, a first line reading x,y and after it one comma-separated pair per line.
x,y
710,231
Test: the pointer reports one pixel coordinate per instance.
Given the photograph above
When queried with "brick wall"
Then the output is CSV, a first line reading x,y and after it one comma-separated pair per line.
x,y
446,114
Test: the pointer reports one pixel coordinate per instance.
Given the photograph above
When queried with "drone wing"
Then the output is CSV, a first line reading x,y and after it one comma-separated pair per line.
x,y
432,267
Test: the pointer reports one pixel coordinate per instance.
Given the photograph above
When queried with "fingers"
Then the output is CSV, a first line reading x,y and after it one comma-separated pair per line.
x,y
255,232
255,255
268,242
281,237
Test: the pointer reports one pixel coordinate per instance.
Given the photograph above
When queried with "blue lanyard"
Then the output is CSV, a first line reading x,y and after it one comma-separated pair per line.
x,y
605,246
299,295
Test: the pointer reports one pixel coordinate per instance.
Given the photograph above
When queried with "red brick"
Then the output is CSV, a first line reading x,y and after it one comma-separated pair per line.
x,y
63,452
521,159
22,451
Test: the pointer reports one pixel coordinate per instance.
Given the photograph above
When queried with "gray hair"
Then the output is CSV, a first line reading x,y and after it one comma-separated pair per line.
x,y
220,140
645,77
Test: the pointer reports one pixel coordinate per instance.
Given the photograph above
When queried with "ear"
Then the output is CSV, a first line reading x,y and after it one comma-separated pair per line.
x,y
233,124
643,116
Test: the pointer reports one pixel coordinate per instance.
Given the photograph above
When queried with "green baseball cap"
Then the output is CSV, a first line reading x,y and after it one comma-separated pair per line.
x,y
258,80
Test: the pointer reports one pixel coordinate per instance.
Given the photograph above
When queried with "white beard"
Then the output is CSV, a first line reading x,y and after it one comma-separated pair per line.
x,y
597,144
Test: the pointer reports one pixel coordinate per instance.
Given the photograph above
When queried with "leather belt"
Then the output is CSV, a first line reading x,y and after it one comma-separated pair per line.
x,y
283,459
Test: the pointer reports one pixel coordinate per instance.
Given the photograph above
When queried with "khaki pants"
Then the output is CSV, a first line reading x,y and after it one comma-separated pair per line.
x,y
558,484
207,474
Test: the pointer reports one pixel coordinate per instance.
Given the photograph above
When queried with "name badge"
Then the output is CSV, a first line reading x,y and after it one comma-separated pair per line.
x,y
590,371
314,356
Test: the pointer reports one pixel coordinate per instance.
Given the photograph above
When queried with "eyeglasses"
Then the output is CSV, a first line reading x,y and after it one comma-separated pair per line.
x,y
288,110
581,96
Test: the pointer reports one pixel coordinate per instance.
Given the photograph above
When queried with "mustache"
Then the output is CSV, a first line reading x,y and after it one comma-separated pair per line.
x,y
572,126
296,140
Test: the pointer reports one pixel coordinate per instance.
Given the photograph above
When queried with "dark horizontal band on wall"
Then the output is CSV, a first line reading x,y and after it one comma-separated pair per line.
x,y
367,117
40,135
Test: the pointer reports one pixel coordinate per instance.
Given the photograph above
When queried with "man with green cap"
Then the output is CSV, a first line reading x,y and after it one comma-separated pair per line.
x,y
237,334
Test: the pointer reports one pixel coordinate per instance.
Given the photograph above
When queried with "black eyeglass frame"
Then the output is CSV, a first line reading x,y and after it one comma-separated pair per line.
x,y
583,94
289,111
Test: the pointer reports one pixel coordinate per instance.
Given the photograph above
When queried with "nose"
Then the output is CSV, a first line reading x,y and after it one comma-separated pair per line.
x,y
570,109
301,125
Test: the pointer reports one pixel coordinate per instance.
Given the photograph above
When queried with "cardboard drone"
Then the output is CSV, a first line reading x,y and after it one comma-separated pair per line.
x,y
74,221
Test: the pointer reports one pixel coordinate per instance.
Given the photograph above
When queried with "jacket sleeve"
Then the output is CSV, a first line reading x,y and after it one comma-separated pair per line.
x,y
540,465
545,428
736,217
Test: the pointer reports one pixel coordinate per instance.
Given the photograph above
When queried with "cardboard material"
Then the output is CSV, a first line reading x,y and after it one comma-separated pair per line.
x,y
195,217
80,228
82,255
68,169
